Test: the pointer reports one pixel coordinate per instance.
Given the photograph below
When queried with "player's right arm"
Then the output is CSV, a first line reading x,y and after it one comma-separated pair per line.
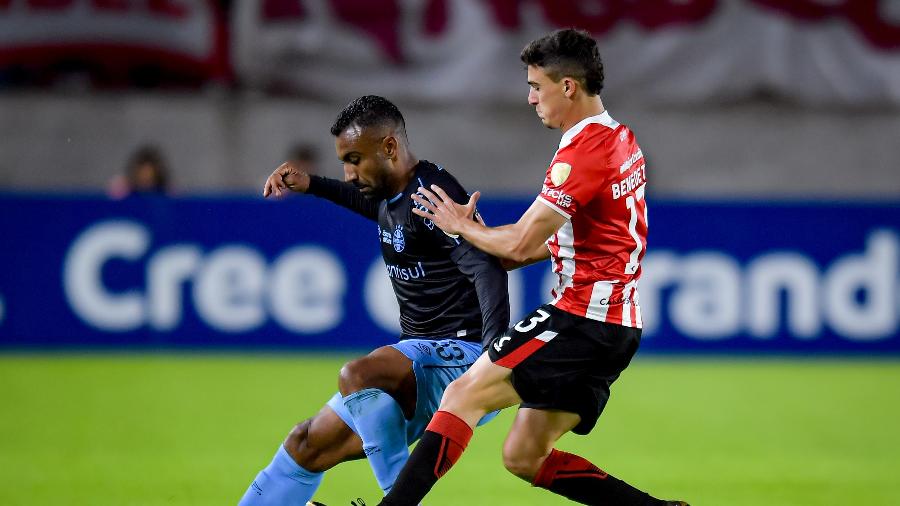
x,y
540,252
287,177
520,243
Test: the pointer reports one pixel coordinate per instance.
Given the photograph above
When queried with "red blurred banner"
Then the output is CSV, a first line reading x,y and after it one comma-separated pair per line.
x,y
812,51
115,41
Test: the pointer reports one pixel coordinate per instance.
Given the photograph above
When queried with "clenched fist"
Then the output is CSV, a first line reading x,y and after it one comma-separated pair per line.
x,y
286,177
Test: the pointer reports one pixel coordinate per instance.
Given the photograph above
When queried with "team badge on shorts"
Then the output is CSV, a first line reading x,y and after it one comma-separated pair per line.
x,y
560,172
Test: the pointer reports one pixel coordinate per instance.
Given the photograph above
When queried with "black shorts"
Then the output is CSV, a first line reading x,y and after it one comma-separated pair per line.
x,y
565,362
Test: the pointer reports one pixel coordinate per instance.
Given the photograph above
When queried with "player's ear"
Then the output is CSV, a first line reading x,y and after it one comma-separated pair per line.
x,y
569,86
389,146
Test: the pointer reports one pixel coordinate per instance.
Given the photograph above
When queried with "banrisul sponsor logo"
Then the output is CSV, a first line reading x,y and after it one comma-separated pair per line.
x,y
406,273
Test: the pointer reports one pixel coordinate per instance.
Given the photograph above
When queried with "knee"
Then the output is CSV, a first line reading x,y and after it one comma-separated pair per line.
x,y
297,439
457,388
355,376
522,462
299,448
385,368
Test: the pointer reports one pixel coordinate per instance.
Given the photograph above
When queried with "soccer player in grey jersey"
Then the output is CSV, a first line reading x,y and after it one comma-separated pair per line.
x,y
452,297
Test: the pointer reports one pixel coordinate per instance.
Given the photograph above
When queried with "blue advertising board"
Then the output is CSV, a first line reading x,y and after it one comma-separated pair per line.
x,y
241,272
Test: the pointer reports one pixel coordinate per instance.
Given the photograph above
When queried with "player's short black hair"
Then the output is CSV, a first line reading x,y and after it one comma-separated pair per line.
x,y
567,53
367,111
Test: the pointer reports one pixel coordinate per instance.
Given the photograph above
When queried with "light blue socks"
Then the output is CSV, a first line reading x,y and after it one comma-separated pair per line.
x,y
382,427
282,483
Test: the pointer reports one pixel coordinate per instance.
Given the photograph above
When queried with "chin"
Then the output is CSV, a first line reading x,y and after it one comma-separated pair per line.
x,y
373,195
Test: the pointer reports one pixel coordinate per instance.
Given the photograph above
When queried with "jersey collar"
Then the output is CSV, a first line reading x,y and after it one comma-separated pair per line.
x,y
602,119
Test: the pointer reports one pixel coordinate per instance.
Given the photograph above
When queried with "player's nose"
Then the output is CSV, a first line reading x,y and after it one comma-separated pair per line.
x,y
349,174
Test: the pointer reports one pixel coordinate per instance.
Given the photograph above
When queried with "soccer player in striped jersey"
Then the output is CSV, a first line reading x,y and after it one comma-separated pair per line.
x,y
590,220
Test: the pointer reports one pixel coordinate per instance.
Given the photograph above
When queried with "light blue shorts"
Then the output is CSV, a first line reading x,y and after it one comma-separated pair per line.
x,y
436,364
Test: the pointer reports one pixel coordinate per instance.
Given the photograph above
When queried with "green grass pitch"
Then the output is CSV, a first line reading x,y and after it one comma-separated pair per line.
x,y
194,429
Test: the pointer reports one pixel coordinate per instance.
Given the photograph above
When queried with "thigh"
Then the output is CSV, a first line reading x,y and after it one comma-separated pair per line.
x,y
436,364
484,388
387,369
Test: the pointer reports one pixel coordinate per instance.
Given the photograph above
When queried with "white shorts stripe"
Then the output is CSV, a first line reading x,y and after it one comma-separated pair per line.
x,y
546,336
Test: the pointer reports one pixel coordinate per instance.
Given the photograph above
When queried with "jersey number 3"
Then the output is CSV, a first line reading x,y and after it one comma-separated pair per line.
x,y
532,323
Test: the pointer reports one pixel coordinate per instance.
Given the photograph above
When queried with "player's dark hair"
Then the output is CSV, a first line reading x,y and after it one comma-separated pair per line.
x,y
567,53
368,111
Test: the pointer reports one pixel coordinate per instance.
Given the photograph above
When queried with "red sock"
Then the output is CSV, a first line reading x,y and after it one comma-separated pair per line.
x,y
455,434
565,465
577,479
441,445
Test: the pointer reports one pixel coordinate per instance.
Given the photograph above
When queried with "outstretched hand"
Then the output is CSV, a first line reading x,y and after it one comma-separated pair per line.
x,y
286,177
443,211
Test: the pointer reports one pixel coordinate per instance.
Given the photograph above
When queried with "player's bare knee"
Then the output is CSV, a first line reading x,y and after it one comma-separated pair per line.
x,y
455,394
382,369
457,400
299,447
296,443
522,456
521,464
354,377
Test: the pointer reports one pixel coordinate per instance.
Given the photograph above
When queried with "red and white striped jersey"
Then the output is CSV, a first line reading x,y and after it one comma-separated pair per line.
x,y
597,181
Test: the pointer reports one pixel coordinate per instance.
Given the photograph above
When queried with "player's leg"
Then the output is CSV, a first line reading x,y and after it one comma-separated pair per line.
x,y
531,439
295,472
484,388
565,385
379,396
529,454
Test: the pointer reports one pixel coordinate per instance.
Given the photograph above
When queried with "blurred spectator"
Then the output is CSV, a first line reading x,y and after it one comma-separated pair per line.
x,y
304,157
145,174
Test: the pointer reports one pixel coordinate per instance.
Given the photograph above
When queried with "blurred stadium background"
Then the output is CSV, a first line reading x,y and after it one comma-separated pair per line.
x,y
159,337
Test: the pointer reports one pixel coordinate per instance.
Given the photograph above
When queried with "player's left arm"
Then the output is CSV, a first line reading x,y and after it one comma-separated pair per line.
x,y
491,286
520,243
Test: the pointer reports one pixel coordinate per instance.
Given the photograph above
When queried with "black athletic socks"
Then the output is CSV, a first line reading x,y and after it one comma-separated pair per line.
x,y
441,446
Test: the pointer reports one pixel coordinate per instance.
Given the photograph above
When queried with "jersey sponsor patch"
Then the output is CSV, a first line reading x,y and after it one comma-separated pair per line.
x,y
563,199
559,173
398,240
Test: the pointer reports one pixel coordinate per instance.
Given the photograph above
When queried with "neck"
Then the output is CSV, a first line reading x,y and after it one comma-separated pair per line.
x,y
406,164
581,109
